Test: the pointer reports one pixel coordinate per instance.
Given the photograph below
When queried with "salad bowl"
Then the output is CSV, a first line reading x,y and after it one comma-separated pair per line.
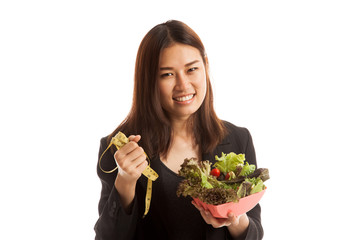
x,y
238,208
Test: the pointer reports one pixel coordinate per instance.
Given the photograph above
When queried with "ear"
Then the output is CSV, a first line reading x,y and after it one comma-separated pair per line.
x,y
207,65
206,61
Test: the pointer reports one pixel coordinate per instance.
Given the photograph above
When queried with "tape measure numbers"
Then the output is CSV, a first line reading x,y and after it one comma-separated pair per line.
x,y
120,140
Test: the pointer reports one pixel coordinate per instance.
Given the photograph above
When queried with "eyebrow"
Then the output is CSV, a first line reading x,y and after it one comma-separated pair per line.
x,y
186,65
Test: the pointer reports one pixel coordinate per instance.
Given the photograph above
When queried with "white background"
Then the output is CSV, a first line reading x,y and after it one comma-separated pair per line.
x,y
286,70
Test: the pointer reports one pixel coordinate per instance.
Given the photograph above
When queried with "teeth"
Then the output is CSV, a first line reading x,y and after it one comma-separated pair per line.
x,y
185,98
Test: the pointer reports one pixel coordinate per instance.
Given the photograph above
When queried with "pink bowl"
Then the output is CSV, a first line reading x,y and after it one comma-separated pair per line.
x,y
244,205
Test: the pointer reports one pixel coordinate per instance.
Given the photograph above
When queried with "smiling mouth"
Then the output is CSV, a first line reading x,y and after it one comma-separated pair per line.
x,y
184,98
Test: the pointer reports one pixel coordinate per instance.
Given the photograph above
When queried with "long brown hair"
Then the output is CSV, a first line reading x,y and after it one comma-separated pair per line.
x,y
146,116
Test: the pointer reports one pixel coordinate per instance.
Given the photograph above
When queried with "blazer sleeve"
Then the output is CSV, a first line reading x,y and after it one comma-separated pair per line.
x,y
255,229
113,222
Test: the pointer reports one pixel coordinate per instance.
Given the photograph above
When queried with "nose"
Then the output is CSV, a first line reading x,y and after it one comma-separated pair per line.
x,y
182,81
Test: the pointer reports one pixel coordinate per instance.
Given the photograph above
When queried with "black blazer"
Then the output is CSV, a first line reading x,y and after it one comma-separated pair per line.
x,y
170,217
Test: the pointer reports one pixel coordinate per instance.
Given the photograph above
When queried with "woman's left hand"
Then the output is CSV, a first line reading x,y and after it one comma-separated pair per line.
x,y
217,222
237,225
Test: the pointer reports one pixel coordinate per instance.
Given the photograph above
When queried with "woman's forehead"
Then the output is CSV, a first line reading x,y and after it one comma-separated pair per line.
x,y
179,55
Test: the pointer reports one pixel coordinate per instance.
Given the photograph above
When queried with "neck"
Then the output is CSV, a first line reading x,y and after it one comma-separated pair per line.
x,y
181,128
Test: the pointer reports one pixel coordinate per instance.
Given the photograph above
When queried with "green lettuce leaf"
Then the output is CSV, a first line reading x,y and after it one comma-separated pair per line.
x,y
247,169
196,172
229,162
204,181
258,187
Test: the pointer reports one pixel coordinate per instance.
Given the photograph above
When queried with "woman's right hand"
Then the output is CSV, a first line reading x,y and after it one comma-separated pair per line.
x,y
131,159
131,162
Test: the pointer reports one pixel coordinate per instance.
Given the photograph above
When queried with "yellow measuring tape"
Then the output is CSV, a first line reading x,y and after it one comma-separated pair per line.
x,y
120,140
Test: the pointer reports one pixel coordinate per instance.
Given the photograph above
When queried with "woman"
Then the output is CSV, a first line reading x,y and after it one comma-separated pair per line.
x,y
173,118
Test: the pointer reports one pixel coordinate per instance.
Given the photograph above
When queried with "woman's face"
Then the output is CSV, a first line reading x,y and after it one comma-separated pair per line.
x,y
181,80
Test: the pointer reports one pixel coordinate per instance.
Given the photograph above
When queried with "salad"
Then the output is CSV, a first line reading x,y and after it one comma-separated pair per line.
x,y
228,180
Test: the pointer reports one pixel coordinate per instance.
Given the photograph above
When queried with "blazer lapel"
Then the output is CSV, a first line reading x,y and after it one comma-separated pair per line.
x,y
219,149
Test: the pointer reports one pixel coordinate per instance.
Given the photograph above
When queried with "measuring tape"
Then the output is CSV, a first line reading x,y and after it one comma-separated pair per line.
x,y
120,140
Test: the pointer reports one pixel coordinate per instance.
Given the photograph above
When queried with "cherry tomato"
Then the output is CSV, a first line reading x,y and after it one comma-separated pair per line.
x,y
215,172
227,176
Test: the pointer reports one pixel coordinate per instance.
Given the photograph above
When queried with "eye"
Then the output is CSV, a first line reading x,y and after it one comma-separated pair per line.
x,y
192,69
166,75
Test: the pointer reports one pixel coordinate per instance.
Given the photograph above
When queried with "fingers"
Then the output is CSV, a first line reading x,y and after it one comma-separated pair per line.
x,y
131,158
216,222
234,220
134,138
